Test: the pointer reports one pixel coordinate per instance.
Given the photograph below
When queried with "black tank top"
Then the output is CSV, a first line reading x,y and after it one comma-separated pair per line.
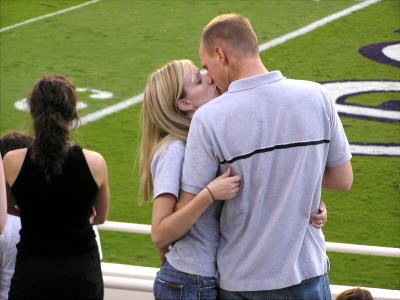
x,y
55,215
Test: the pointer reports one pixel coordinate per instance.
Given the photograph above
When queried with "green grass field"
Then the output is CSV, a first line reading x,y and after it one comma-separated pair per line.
x,y
113,45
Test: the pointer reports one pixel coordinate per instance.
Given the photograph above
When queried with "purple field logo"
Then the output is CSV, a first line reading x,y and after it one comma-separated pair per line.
x,y
387,112
386,53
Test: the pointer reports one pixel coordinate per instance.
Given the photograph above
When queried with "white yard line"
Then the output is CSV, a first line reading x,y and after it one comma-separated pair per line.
x,y
275,42
48,15
110,110
315,25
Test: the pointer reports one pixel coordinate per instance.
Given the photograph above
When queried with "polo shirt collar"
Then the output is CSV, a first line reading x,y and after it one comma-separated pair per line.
x,y
255,81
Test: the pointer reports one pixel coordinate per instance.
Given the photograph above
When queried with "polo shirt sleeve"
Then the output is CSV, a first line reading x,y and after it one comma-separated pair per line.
x,y
200,165
339,149
166,169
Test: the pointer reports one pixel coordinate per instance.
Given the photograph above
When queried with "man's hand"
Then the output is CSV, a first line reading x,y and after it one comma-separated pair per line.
x,y
319,220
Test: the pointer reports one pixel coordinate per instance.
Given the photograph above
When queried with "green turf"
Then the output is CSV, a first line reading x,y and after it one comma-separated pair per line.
x,y
367,131
361,270
16,11
113,45
370,213
372,99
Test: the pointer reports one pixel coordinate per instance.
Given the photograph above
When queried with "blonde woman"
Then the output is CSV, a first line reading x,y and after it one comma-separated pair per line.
x,y
172,95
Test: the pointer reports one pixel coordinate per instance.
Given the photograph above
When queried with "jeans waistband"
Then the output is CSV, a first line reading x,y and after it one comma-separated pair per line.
x,y
167,267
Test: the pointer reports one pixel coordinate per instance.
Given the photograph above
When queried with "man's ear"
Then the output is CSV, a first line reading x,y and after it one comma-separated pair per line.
x,y
221,54
184,105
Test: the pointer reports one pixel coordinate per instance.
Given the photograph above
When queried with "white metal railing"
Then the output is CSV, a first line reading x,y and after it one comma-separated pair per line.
x,y
125,282
330,247
125,227
130,284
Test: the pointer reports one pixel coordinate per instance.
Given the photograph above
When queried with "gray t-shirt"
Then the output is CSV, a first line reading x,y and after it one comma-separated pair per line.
x,y
196,252
278,135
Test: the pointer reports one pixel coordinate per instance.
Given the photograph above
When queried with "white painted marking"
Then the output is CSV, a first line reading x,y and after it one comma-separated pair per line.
x,y
315,25
393,52
81,105
95,94
100,95
48,15
110,110
338,89
373,150
23,106
139,98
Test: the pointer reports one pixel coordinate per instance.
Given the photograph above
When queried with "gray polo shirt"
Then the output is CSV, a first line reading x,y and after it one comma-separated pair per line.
x,y
196,252
278,135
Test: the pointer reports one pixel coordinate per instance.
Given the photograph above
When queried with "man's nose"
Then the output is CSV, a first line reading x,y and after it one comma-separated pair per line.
x,y
209,79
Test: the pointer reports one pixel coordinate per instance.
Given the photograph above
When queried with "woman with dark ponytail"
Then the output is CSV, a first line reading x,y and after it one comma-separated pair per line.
x,y
58,187
53,108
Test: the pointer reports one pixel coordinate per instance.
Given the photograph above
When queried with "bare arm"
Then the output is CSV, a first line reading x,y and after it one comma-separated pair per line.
x,y
3,197
184,198
101,204
338,178
168,226
98,168
11,165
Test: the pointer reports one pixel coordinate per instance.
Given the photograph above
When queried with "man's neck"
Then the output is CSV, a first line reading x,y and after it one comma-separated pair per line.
x,y
246,67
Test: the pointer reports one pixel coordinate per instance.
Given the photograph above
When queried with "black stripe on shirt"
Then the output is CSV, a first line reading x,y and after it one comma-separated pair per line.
x,y
273,148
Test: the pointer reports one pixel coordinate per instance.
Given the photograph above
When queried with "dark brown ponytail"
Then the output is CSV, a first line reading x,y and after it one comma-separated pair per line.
x,y
52,104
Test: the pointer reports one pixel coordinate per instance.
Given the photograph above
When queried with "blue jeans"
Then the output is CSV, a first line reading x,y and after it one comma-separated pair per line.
x,y
316,288
171,284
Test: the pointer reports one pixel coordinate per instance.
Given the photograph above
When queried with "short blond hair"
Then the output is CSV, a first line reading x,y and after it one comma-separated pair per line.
x,y
232,31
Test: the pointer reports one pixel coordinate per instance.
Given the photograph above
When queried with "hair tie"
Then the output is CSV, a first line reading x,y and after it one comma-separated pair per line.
x,y
212,196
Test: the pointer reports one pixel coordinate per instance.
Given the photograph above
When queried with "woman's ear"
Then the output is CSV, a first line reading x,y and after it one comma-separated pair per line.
x,y
184,105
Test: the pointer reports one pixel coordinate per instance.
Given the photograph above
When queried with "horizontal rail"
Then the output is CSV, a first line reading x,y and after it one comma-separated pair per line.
x,y
125,227
129,284
363,250
132,279
330,247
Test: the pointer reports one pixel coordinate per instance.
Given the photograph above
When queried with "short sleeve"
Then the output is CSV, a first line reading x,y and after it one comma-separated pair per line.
x,y
166,169
200,165
339,148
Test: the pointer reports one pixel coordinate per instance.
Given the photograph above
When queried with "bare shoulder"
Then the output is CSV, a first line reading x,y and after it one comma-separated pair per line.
x,y
15,157
93,157
12,162
97,165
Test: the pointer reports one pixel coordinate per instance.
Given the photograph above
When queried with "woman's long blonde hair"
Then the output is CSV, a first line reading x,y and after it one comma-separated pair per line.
x,y
162,121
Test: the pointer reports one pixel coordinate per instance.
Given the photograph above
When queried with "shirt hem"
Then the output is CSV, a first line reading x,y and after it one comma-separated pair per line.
x,y
264,285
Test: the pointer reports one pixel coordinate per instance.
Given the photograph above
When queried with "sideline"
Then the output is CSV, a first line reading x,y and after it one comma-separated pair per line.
x,y
263,47
63,11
